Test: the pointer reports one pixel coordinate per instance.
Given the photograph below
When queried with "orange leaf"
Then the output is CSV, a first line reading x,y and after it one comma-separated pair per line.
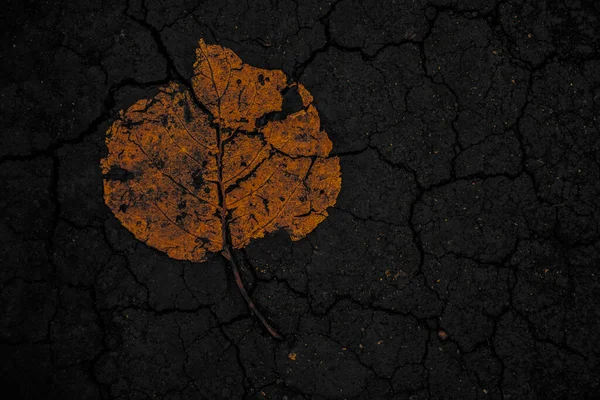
x,y
192,172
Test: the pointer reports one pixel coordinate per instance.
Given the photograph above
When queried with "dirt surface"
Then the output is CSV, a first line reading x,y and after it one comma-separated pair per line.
x,y
460,261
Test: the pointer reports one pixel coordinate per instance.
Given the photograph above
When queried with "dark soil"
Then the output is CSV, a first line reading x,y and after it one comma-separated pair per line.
x,y
461,259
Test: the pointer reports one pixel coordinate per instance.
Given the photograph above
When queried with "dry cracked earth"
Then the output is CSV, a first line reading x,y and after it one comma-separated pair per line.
x,y
460,261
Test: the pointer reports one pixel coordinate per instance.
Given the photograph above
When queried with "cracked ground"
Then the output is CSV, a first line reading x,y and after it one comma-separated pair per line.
x,y
460,261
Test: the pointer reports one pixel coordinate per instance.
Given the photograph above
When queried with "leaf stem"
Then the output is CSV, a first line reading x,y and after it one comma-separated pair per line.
x,y
240,285
225,237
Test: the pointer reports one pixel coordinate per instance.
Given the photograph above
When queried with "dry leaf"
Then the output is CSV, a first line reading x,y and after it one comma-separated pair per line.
x,y
203,170
187,172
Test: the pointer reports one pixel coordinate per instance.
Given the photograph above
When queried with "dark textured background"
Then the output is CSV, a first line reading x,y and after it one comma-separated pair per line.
x,y
469,140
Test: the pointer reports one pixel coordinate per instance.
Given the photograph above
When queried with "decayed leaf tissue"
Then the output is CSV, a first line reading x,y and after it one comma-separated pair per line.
x,y
192,172
203,170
